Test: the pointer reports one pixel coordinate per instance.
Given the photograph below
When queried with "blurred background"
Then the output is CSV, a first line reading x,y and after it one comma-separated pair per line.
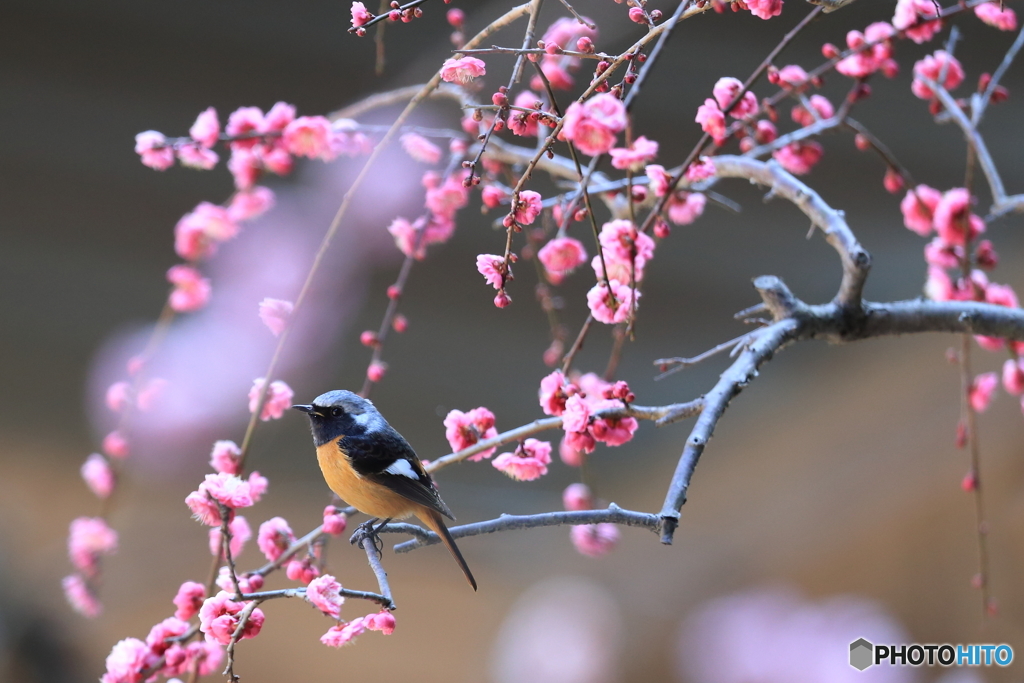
x,y
827,508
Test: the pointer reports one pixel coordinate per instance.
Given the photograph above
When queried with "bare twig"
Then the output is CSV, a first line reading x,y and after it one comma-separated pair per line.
x,y
614,515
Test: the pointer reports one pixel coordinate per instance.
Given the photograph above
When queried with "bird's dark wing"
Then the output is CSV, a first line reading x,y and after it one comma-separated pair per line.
x,y
387,459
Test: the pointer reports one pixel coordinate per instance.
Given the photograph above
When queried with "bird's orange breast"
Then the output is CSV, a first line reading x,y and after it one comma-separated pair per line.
x,y
363,494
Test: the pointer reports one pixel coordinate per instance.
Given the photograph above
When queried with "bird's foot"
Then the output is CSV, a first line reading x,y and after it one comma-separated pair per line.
x,y
366,530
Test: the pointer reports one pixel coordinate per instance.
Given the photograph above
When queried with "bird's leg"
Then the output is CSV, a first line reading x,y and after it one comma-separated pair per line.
x,y
366,530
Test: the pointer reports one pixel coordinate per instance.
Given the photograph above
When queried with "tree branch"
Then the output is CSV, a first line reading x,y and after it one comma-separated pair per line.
x,y
614,515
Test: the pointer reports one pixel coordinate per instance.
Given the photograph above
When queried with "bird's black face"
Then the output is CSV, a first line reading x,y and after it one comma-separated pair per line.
x,y
339,413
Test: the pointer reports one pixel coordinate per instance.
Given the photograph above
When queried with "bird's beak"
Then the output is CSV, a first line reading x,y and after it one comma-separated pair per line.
x,y
305,408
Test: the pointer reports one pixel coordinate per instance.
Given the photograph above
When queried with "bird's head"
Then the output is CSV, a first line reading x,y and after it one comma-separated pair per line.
x,y
340,413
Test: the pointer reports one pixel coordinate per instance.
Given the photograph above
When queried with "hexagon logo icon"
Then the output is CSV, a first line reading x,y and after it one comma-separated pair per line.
x,y
861,652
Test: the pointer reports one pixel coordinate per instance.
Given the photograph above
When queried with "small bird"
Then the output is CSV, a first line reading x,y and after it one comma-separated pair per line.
x,y
373,468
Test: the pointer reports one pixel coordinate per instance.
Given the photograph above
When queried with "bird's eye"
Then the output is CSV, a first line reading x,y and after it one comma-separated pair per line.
x,y
336,412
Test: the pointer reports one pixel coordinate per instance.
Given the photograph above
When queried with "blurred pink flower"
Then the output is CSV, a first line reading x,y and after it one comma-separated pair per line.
x,y
577,497
1004,19
225,457
821,106
635,156
88,538
324,592
911,17
660,180
383,621
197,156
686,207
308,136
612,431
918,207
420,148
223,488
764,9
334,521
119,396
953,219
302,570
251,203
98,475
595,540
245,121
81,599
527,463
218,619
607,309
274,313
726,89
1013,376
711,120
191,290
240,533
799,157
274,537
206,129
932,67
279,399
981,391
189,599
562,255
126,662
553,394
115,445
343,634
152,147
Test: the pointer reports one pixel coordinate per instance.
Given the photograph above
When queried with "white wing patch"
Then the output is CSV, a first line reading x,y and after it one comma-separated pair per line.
x,y
402,468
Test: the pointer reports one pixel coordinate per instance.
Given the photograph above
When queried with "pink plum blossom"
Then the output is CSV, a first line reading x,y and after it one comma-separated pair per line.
x,y
562,255
577,497
799,157
334,521
279,399
245,121
252,203
248,583
191,290
226,457
918,209
275,313
711,120
932,67
660,180
611,306
528,207
189,599
1003,19
308,136
119,396
917,18
620,239
98,475
447,198
953,219
823,109
521,122
465,429
491,266
81,599
1013,376
198,233
612,431
981,391
462,70
686,207
635,156
206,129
240,533
420,148
492,196
360,15
701,169
278,118
793,77
764,9
219,617
196,156
257,486
570,455
127,660
301,570
274,537
343,634
152,147
221,488
725,91
115,445
324,592
528,462
595,540
553,393
88,538
171,627
576,415
383,621
593,125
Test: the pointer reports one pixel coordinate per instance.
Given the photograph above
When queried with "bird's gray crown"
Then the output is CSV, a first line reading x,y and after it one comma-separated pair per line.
x,y
351,403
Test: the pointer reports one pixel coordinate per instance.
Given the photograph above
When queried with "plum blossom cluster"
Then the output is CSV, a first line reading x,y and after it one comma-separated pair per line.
x,y
579,403
592,540
956,247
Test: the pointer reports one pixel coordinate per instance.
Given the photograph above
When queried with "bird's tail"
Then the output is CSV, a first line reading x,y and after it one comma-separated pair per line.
x,y
433,520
